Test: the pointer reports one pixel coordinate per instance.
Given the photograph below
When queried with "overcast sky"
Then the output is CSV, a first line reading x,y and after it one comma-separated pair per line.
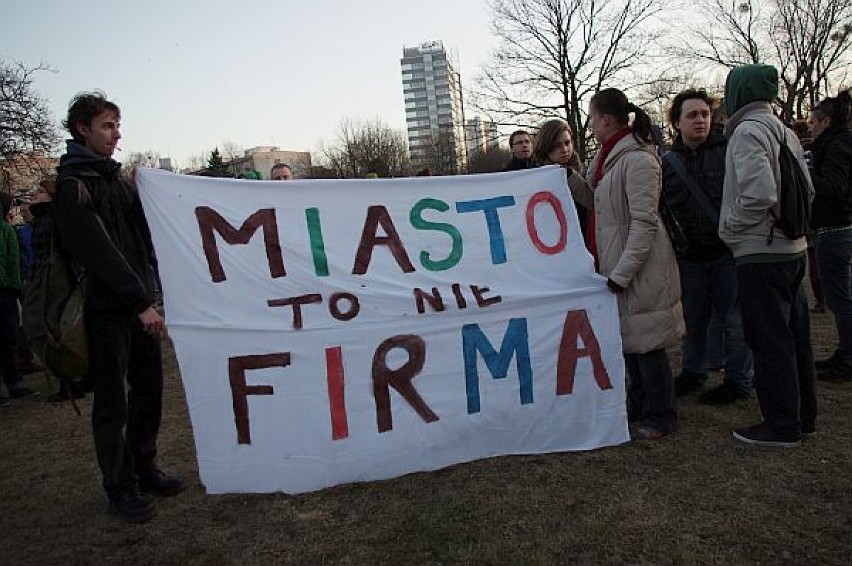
x,y
190,74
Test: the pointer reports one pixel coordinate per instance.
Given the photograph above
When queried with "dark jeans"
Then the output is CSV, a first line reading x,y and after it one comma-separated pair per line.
x,y
9,340
777,327
813,275
715,342
834,261
119,349
711,287
651,393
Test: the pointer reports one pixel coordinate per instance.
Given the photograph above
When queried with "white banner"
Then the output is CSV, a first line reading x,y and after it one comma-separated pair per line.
x,y
342,331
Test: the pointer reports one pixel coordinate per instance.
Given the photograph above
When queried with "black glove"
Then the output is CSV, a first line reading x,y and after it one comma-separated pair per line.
x,y
615,287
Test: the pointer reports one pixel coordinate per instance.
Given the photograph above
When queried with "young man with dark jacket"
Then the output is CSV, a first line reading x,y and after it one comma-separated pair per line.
x,y
104,232
770,266
693,174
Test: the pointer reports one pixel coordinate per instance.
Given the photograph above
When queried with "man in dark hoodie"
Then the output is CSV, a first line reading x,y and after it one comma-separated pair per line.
x,y
103,229
770,267
695,168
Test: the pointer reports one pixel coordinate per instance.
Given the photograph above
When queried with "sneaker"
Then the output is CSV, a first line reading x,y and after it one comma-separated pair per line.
x,y
763,435
688,382
132,507
22,392
158,483
4,401
808,427
723,394
840,372
828,363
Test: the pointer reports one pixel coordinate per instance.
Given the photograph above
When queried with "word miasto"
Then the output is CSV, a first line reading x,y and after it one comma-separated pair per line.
x,y
211,222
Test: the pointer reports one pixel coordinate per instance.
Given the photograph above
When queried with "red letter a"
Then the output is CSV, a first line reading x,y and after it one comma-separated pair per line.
x,y
577,326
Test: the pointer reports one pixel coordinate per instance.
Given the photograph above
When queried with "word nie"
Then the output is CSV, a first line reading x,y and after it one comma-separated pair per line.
x,y
515,345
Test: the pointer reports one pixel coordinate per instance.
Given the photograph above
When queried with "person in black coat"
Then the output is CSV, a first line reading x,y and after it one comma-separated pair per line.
x,y
829,124
103,231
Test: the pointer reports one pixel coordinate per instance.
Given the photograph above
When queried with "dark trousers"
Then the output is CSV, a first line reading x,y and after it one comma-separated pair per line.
x,y
834,258
710,287
9,340
651,393
777,328
125,423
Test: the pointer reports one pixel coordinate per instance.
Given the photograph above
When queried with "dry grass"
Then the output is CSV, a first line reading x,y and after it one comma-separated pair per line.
x,y
694,498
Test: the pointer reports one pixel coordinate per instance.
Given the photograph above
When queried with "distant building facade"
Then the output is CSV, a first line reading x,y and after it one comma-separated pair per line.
x,y
262,158
434,108
257,162
480,136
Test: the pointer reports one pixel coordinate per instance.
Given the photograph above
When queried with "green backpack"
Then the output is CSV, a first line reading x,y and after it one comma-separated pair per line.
x,y
52,313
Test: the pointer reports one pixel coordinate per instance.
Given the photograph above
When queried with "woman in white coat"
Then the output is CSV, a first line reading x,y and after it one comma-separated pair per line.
x,y
633,251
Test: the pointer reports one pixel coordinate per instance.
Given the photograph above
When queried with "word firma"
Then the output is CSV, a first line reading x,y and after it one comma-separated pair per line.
x,y
578,341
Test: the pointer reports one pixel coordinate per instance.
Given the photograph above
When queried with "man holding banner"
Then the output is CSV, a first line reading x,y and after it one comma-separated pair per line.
x,y
102,228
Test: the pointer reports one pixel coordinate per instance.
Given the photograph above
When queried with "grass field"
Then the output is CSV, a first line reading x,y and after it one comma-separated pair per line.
x,y
697,497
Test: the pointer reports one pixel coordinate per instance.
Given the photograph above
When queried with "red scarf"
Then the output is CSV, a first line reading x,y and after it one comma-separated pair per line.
x,y
591,240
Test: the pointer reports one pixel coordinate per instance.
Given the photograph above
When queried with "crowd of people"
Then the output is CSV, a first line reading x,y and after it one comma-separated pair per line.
x,y
716,269
711,273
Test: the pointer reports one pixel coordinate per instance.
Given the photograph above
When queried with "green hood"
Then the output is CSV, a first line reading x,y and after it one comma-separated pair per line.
x,y
748,84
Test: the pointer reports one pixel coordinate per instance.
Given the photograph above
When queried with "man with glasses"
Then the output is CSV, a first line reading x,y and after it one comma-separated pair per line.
x,y
521,145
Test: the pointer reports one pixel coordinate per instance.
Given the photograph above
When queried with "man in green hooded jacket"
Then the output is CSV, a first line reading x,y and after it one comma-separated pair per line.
x,y
770,266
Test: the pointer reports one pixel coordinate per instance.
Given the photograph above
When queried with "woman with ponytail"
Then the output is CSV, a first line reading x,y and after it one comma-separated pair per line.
x,y
633,251
829,124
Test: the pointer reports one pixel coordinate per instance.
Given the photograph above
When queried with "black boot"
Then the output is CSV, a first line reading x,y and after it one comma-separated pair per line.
x,y
132,506
840,372
157,483
687,382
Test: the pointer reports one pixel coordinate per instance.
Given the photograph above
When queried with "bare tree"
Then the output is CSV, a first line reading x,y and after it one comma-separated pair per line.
x,y
491,160
364,147
197,161
555,54
231,150
807,40
148,158
26,124
442,153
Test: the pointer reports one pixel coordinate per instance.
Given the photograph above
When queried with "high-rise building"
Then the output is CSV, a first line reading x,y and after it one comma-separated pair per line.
x,y
480,135
434,110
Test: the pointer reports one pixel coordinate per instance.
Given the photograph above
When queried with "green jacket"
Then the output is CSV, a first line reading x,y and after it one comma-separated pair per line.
x,y
10,267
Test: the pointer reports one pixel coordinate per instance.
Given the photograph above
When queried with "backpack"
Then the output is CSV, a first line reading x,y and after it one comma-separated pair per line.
x,y
52,312
794,203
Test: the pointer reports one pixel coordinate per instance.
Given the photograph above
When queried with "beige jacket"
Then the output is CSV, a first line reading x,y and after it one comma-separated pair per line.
x,y
633,247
